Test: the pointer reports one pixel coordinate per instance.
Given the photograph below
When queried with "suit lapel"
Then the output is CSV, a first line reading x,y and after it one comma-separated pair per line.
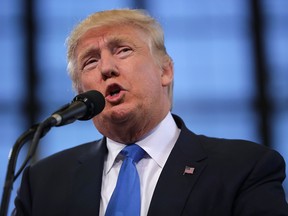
x,y
174,185
172,189
86,184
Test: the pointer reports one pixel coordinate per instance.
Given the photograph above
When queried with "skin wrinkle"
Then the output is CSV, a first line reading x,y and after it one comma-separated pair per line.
x,y
157,51
112,42
144,81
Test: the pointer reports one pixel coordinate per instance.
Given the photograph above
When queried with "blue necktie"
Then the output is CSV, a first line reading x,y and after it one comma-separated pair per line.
x,y
126,200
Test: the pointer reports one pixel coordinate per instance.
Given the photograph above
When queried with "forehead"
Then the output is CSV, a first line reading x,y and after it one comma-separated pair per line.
x,y
100,36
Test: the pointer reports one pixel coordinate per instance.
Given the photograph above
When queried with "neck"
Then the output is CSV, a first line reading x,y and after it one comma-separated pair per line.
x,y
132,131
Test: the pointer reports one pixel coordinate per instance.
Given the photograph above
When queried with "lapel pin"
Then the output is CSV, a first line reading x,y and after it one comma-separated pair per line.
x,y
188,170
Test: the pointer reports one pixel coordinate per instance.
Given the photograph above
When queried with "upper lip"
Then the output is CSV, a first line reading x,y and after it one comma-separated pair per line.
x,y
113,88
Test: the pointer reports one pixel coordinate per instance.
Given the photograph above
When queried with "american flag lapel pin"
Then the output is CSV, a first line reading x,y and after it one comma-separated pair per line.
x,y
188,170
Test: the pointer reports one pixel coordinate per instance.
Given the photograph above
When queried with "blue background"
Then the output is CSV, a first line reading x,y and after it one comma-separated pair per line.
x,y
211,43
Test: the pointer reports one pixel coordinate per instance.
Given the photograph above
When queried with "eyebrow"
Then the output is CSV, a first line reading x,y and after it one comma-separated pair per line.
x,y
111,43
116,40
90,51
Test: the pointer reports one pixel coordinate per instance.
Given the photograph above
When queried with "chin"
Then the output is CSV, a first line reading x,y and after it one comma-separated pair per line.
x,y
116,114
120,116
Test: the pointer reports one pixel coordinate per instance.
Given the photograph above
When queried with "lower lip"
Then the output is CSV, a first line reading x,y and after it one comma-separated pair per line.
x,y
116,98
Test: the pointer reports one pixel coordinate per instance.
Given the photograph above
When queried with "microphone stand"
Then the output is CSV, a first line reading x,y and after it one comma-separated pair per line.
x,y
36,132
12,161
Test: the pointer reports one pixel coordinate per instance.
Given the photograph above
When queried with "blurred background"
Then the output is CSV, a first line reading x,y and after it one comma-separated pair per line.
x,y
231,69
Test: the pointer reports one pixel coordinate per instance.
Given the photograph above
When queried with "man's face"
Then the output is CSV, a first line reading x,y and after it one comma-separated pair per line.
x,y
117,61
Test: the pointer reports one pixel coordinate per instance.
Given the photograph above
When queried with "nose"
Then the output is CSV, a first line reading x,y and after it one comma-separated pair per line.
x,y
108,66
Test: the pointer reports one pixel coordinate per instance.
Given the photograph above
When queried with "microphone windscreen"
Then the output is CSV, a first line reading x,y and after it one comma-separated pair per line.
x,y
94,101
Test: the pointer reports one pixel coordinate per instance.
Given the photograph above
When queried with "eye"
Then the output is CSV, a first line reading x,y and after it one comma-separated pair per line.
x,y
123,52
90,64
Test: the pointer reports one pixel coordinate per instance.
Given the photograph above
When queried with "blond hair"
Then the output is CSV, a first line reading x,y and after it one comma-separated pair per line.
x,y
134,17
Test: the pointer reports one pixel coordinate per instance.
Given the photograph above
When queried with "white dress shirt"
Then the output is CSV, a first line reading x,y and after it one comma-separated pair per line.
x,y
158,145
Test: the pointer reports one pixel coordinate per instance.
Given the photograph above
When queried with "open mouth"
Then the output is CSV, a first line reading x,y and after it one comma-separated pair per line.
x,y
113,90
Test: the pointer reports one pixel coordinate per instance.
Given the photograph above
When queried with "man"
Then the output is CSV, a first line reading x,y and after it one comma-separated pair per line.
x,y
121,53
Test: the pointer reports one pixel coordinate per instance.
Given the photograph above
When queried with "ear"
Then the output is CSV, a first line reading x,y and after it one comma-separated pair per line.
x,y
167,71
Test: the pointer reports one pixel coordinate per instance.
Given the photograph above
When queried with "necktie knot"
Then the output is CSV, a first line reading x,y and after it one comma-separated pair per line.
x,y
133,151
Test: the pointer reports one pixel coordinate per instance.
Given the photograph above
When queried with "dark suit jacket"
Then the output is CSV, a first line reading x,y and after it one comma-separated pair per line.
x,y
231,177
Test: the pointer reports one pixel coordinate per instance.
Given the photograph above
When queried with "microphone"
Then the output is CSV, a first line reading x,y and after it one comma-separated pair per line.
x,y
83,107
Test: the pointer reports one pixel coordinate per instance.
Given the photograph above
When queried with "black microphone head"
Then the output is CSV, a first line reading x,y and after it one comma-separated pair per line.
x,y
94,101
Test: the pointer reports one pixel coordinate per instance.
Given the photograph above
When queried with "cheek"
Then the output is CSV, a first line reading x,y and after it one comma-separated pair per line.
x,y
149,84
148,74
89,81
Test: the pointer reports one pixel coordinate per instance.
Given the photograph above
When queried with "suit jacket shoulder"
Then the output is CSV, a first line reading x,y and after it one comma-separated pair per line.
x,y
212,176
55,185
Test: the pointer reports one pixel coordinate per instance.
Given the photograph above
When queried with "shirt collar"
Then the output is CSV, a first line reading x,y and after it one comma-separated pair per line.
x,y
158,143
